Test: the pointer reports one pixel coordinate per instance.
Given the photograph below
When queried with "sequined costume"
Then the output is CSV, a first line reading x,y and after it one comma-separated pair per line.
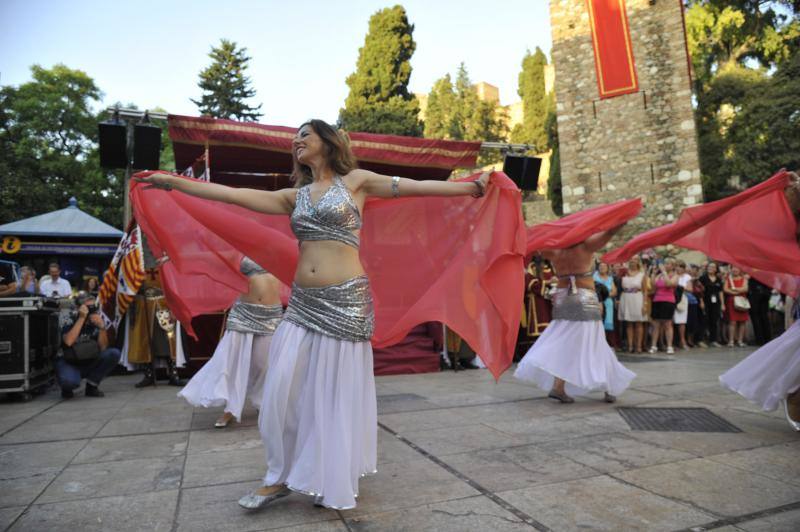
x,y
574,348
319,414
237,370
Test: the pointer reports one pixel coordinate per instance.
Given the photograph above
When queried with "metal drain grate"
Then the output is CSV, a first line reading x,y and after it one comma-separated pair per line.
x,y
394,398
633,359
676,420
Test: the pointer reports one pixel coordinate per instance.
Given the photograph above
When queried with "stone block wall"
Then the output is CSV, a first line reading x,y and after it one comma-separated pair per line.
x,y
642,144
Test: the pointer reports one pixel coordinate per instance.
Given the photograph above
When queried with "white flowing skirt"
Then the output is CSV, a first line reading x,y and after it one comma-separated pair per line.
x,y
769,374
577,352
319,415
235,372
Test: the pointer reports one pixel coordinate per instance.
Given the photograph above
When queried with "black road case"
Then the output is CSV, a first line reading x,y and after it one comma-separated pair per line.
x,y
29,340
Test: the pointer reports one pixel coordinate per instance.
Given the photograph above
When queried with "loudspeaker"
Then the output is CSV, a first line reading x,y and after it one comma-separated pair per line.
x,y
524,171
146,146
113,144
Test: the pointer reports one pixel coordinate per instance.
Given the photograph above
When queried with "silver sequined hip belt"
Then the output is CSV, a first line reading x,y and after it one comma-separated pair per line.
x,y
581,305
254,318
343,310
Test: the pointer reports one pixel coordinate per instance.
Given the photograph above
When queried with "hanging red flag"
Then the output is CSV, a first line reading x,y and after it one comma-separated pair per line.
x,y
613,52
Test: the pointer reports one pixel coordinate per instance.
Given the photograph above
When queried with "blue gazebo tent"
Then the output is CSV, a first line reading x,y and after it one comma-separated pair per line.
x,y
81,243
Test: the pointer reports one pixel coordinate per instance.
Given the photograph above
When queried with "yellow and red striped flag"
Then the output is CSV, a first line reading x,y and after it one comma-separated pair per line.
x,y
123,278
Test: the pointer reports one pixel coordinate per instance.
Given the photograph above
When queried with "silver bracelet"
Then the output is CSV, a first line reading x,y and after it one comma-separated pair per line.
x,y
395,187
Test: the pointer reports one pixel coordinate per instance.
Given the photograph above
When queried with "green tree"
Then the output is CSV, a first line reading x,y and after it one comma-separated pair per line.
x,y
456,112
764,133
48,147
225,85
441,120
535,102
554,178
379,100
735,46
726,33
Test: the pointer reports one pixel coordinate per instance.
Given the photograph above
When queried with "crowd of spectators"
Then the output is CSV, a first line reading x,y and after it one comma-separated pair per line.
x,y
654,304
669,304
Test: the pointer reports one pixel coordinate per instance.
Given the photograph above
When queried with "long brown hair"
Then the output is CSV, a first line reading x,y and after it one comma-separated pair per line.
x,y
338,154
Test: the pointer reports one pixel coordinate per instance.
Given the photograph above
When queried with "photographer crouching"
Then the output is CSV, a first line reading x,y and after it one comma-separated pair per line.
x,y
85,353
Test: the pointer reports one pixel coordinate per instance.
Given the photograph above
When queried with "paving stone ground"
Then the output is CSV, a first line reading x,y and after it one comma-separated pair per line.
x,y
457,452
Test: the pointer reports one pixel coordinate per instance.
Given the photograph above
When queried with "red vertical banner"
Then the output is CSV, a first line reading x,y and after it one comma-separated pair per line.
x,y
613,53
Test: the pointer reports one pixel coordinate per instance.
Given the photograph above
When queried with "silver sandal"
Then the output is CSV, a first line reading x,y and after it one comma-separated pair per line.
x,y
253,500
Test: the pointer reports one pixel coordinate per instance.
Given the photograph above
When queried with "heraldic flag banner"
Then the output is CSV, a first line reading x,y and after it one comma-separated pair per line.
x,y
123,278
613,52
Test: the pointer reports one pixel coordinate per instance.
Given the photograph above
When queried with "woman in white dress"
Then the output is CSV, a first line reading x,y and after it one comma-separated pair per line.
x,y
238,367
681,316
632,309
572,356
318,417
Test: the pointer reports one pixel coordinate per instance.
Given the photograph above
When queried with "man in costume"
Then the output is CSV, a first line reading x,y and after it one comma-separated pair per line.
x,y
539,306
152,337
131,302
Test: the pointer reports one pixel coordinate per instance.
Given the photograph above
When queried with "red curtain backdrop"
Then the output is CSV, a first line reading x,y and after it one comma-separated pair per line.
x,y
453,260
575,228
613,52
754,229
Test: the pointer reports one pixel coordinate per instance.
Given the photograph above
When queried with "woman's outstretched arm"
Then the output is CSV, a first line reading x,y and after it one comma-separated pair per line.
x,y
384,186
277,202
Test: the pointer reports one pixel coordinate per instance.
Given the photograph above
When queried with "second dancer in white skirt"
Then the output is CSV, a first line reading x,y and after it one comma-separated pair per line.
x,y
237,370
572,356
771,376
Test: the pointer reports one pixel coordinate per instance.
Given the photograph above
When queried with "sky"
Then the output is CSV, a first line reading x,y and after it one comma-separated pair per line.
x,y
150,53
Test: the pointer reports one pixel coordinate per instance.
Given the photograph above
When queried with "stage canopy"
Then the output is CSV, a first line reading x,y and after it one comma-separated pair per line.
x,y
241,153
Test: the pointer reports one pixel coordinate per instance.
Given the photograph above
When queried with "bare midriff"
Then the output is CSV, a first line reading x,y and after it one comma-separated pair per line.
x,y
326,262
264,289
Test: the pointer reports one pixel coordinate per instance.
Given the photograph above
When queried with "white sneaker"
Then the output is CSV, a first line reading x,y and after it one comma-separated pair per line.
x,y
670,351
653,350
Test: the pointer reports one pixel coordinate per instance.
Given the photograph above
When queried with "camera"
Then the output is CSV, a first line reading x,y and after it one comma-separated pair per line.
x,y
93,309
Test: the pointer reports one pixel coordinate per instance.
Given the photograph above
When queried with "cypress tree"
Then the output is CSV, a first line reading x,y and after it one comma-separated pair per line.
x,y
379,101
534,102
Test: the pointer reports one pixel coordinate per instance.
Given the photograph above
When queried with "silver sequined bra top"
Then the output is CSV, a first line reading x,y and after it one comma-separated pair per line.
x,y
580,305
334,217
249,267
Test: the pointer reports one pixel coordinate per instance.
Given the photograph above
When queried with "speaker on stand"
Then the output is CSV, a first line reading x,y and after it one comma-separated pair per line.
x,y
523,171
113,136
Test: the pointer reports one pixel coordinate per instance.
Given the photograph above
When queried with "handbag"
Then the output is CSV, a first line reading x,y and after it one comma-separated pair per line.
x,y
683,304
741,303
82,351
776,303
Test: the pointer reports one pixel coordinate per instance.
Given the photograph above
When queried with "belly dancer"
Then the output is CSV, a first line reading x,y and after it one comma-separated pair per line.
x,y
572,357
318,416
771,375
237,369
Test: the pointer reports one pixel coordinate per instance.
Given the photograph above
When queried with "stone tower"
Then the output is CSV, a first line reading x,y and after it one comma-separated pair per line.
x,y
637,144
